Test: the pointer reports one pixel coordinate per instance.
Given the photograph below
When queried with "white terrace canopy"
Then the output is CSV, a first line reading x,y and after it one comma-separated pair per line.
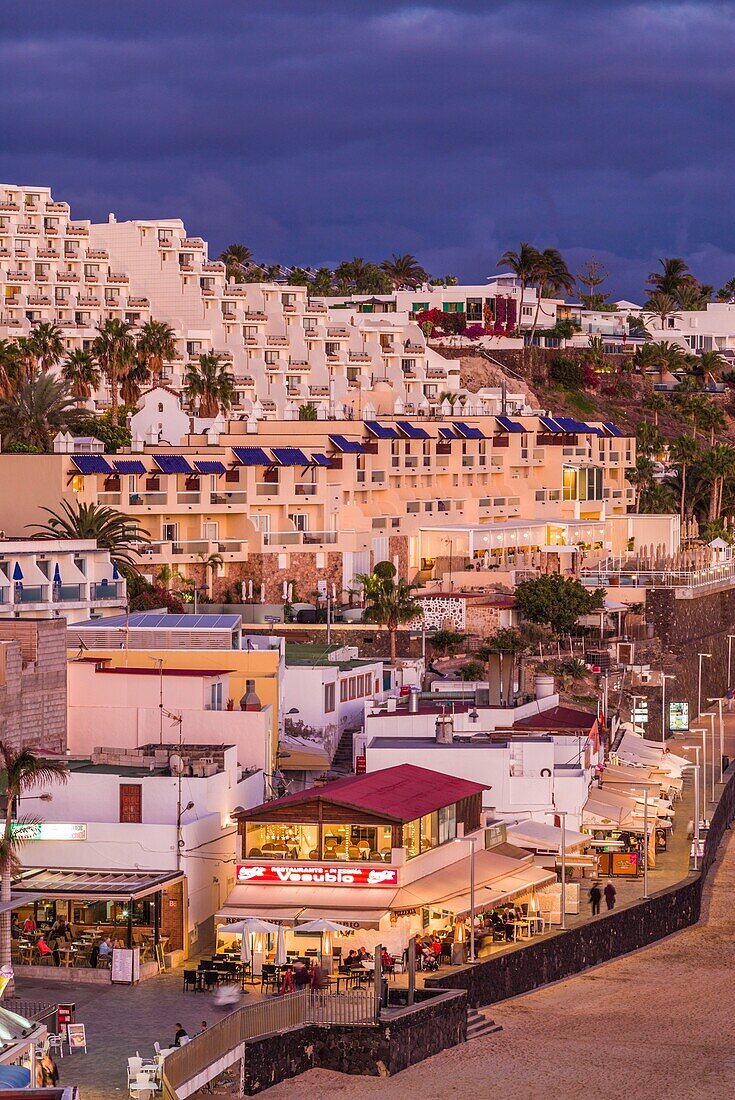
x,y
547,535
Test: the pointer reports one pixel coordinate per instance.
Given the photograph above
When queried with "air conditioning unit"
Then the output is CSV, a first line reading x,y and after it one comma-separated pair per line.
x,y
626,653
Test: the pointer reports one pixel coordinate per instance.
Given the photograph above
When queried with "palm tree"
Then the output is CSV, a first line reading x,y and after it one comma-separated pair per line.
x,y
726,293
660,305
388,601
650,440
551,274
47,345
156,345
693,296
114,349
133,379
506,642
404,271
211,384
111,529
26,353
524,265
658,497
709,418
10,366
20,772
37,409
656,403
717,465
81,374
683,452
710,362
640,477
322,282
211,563
236,258
673,273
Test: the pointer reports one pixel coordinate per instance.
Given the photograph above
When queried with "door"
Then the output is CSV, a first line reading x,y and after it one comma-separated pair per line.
x,y
131,803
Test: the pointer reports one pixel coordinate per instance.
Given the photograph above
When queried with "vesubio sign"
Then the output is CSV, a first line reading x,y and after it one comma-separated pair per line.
x,y
315,874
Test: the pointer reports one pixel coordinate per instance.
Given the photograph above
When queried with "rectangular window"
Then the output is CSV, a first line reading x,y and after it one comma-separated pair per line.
x,y
216,696
276,840
328,698
343,691
131,803
447,823
353,687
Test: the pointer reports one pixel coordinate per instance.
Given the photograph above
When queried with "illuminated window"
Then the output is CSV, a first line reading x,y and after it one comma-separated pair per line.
x,y
281,840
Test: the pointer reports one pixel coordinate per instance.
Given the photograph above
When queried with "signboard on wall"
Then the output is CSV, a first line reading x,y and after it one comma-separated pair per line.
x,y
48,830
679,717
640,714
315,874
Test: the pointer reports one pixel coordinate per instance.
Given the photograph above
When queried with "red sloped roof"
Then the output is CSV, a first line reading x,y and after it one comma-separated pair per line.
x,y
558,718
399,794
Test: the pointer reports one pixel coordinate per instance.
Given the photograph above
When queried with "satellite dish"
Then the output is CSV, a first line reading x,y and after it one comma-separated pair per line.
x,y
176,764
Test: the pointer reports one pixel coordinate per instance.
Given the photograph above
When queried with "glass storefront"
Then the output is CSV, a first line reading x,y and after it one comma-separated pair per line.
x,y
285,840
430,831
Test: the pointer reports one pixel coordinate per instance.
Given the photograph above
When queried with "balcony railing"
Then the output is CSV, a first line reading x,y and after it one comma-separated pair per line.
x,y
148,498
32,594
303,490
228,498
266,488
107,590
188,498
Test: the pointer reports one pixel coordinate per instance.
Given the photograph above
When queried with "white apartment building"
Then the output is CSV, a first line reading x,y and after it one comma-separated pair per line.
x,y
285,350
65,578
710,329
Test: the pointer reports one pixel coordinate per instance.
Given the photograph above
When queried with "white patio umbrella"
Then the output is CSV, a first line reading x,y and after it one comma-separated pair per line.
x,y
246,955
326,929
280,959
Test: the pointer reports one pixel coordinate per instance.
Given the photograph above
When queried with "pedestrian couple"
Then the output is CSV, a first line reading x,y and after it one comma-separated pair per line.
x,y
596,897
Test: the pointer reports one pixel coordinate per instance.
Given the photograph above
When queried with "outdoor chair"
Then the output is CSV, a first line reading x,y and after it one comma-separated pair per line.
x,y
135,1065
55,1042
211,978
190,980
269,978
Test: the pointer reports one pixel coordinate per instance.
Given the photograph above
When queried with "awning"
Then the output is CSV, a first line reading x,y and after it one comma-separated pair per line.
x,y
539,834
509,425
319,459
303,757
439,887
503,891
608,805
362,903
469,431
17,900
289,456
92,885
411,431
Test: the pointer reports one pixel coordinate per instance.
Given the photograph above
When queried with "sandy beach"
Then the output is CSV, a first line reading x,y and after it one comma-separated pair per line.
x,y
656,1023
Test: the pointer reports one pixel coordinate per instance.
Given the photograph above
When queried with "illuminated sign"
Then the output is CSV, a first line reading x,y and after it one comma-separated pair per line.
x,y
48,830
679,716
315,874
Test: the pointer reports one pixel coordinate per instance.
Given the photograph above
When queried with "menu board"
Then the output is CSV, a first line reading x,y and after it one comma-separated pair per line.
x,y
126,965
77,1037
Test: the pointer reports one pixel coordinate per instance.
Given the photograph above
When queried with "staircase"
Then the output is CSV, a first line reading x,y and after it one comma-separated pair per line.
x,y
478,1025
342,761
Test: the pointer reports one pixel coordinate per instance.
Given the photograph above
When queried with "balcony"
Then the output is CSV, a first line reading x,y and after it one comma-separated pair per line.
x,y
305,490
110,499
31,593
266,488
68,593
148,498
77,231
117,277
188,498
97,254
237,497
107,590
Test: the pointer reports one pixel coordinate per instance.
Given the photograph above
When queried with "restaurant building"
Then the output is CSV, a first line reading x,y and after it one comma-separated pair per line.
x,y
378,852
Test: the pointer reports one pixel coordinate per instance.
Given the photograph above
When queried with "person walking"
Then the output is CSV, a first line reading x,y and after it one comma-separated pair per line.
x,y
595,898
610,893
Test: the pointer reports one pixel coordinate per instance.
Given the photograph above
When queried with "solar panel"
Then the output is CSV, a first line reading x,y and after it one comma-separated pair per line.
x,y
210,466
173,464
447,433
92,464
380,431
290,456
571,424
154,620
509,425
412,431
550,424
613,428
128,465
346,446
252,456
467,431
320,460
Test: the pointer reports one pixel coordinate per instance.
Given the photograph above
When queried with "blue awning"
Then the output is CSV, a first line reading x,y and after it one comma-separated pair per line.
x,y
252,456
173,464
411,431
290,456
92,464
509,425
447,433
613,429
128,465
380,431
320,460
210,466
347,446
467,431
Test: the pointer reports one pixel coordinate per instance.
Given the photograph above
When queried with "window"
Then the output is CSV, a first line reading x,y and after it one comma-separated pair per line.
x,y
216,696
447,823
328,698
352,842
131,803
343,691
170,532
527,311
430,831
300,520
210,532
474,309
280,840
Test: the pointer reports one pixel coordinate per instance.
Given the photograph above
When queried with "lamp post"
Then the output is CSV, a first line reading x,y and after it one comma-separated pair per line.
x,y
645,839
710,714
701,656
729,658
472,841
696,804
664,677
722,732
563,815
700,729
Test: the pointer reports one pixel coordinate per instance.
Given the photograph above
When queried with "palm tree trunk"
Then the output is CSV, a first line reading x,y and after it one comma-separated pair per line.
x,y
713,499
113,393
683,489
392,640
538,309
5,938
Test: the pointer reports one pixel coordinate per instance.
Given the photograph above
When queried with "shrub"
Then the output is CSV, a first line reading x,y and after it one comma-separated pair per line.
x,y
567,373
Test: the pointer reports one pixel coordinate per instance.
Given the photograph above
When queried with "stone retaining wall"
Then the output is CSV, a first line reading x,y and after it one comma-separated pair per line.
x,y
623,930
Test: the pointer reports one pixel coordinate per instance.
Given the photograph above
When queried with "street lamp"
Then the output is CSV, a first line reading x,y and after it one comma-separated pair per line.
x,y
710,714
664,677
703,731
722,732
699,682
563,815
645,839
472,841
696,804
729,658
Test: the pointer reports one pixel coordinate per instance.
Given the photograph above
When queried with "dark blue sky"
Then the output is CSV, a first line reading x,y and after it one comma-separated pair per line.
x,y
317,131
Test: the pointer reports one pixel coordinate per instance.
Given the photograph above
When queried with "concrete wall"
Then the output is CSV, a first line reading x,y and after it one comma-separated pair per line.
x,y
33,682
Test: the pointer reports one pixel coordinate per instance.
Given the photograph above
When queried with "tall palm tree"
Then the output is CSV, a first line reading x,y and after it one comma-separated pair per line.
x,y
27,358
388,601
656,403
709,418
717,465
524,265
711,362
133,379
640,477
683,452
210,383
551,274
650,441
47,343
155,346
36,409
10,366
726,293
114,349
673,272
322,283
236,258
82,375
404,271
21,771
660,305
111,529
693,296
